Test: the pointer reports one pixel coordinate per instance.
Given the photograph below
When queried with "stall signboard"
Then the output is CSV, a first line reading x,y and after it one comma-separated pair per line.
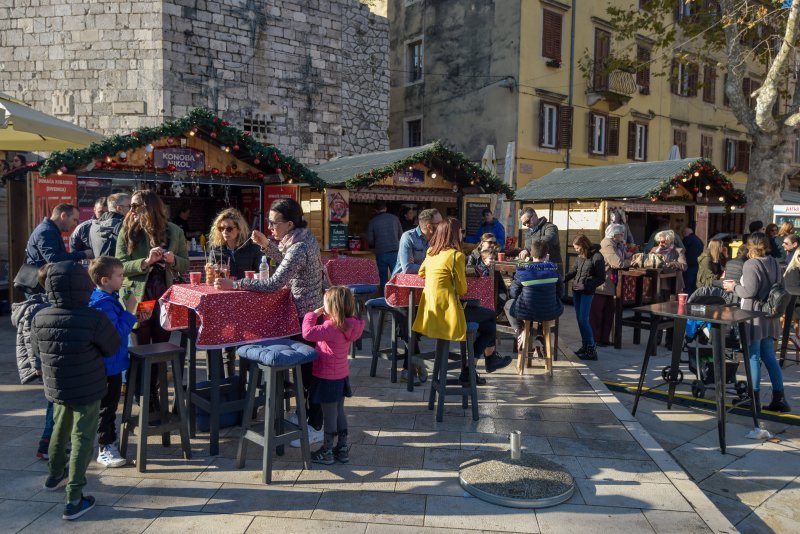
x,y
786,212
410,177
474,214
338,217
277,192
184,159
89,190
338,236
49,192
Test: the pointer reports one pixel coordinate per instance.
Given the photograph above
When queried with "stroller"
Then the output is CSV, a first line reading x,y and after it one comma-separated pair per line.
x,y
697,345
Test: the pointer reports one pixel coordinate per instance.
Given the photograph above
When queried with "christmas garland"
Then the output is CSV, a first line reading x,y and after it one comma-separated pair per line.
x,y
198,122
444,161
698,178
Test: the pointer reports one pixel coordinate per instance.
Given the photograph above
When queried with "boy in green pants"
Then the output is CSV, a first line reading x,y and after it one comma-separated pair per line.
x,y
71,340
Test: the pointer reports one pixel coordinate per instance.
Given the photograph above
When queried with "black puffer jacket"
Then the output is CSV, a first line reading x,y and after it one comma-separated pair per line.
x,y
22,313
71,338
591,271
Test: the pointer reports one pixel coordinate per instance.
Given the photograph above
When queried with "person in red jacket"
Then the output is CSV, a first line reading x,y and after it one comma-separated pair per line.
x,y
331,382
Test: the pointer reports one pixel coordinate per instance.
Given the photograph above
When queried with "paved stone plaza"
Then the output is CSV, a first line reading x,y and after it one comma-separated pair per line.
x,y
402,476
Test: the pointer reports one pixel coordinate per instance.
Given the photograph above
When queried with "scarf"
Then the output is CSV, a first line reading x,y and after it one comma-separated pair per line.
x,y
665,251
294,236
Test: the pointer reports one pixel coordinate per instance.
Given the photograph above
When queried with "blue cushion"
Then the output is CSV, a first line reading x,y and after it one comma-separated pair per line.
x,y
472,327
278,353
380,304
363,289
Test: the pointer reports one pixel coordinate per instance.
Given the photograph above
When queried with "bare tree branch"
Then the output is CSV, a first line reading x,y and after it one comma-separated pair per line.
x,y
739,102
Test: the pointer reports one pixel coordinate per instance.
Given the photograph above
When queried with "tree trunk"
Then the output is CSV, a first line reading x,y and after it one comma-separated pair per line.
x,y
770,156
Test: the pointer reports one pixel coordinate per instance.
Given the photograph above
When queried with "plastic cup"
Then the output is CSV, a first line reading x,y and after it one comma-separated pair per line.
x,y
682,299
501,256
249,274
195,277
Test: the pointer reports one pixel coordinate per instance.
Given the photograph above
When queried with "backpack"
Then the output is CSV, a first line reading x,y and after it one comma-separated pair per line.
x,y
777,300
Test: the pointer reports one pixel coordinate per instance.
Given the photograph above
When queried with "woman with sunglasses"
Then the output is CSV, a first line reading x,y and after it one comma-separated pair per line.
x,y
230,243
488,242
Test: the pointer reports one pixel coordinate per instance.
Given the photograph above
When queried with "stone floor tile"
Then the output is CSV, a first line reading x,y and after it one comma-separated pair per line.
x,y
535,428
17,457
402,529
735,441
447,459
785,502
763,521
644,495
371,507
666,522
21,436
170,522
749,492
428,482
263,500
700,461
385,456
20,485
383,420
287,525
387,394
571,415
770,465
100,520
462,424
225,470
164,468
598,448
493,442
348,477
602,431
16,515
512,411
622,470
468,512
162,494
420,438
732,509
107,490
571,518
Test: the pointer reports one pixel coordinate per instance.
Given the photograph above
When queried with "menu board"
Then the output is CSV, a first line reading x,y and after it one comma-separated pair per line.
x,y
474,214
338,236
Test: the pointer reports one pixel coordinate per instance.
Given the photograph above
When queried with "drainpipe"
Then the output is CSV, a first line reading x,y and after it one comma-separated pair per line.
x,y
571,69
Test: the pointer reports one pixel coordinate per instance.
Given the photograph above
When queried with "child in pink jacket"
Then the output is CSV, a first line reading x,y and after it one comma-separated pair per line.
x,y
331,372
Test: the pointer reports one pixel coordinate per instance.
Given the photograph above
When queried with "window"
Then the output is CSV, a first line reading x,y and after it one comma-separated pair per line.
x,y
414,132
684,8
555,125
797,151
725,100
603,135
602,50
679,140
684,78
749,87
643,69
709,84
414,61
637,141
707,147
258,126
737,155
551,34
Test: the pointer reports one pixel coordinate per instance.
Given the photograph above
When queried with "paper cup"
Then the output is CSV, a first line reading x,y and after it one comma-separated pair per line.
x,y
249,274
682,299
501,256
195,277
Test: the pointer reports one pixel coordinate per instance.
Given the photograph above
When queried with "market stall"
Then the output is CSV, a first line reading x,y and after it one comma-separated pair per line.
x,y
199,162
429,176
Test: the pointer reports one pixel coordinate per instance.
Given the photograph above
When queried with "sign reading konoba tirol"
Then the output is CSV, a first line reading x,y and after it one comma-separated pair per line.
x,y
184,159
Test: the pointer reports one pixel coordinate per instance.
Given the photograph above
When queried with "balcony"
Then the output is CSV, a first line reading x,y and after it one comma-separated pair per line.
x,y
616,86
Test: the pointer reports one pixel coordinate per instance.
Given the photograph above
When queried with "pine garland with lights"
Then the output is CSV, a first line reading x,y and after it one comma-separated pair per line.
x,y
199,122
698,178
444,161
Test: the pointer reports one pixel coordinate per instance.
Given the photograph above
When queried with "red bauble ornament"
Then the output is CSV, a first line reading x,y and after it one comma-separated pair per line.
x,y
170,141
63,169
695,189
276,157
246,134
213,135
214,119
113,164
289,168
261,176
171,167
215,171
134,134
278,170
256,161
236,147
224,123
98,164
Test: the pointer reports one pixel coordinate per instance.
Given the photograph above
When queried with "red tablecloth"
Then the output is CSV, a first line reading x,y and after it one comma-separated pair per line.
x,y
228,318
345,271
399,287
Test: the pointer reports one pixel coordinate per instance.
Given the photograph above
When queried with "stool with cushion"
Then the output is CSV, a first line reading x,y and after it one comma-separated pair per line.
x,y
272,361
362,294
397,317
441,386
143,358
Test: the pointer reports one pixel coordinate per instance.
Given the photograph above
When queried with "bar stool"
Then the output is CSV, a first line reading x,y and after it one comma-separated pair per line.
x,y
271,363
397,317
440,382
143,357
362,294
524,358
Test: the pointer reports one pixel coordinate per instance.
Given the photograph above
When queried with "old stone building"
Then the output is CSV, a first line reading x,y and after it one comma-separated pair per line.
x,y
310,76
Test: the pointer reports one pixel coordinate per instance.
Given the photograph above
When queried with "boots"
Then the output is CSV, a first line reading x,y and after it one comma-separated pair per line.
x,y
590,354
581,351
745,404
778,403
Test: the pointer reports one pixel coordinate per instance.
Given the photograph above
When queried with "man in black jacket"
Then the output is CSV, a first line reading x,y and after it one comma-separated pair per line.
x,y
539,229
71,339
45,245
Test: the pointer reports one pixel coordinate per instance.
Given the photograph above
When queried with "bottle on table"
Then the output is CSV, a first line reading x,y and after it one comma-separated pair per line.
x,y
263,269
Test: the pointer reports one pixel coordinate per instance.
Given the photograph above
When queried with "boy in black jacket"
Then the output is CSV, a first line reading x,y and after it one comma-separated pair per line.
x,y
71,340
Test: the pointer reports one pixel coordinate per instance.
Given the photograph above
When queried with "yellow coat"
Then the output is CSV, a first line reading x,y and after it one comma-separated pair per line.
x,y
440,314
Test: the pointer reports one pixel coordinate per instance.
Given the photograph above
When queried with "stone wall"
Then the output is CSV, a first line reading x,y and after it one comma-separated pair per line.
x,y
310,76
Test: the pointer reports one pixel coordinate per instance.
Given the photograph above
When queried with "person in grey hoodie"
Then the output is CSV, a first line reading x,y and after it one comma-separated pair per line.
x,y
103,234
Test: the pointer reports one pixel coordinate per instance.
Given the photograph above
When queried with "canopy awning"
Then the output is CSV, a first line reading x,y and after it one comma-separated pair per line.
x,y
25,129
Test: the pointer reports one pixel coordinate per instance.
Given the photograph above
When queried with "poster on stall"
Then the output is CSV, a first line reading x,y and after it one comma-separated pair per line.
x,y
276,192
89,190
338,217
338,236
49,192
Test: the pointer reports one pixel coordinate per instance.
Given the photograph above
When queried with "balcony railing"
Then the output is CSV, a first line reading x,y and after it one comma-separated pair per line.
x,y
614,84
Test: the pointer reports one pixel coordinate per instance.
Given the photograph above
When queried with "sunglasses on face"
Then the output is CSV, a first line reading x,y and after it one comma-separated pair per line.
x,y
227,228
135,206
274,223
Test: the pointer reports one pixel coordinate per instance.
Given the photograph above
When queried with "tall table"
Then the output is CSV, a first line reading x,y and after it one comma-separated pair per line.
x,y
717,316
216,319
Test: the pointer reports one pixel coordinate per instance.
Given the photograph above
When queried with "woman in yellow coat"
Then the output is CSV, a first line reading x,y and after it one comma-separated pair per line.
x,y
440,314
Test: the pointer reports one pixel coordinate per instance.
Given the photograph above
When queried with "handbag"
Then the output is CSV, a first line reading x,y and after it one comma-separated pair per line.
x,y
27,279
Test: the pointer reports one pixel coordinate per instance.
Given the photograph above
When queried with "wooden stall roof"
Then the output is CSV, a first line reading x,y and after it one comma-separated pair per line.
x,y
632,180
363,170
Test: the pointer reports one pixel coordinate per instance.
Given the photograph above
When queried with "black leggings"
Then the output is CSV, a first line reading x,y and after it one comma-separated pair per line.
x,y
335,423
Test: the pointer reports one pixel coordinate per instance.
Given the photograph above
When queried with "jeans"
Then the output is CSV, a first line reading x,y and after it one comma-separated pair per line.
x,y
386,262
48,422
107,428
79,422
764,350
583,303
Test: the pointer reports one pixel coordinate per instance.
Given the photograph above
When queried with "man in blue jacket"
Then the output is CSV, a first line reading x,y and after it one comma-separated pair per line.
x,y
45,245
492,226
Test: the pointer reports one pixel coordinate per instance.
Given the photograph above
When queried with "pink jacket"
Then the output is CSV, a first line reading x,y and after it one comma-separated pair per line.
x,y
332,345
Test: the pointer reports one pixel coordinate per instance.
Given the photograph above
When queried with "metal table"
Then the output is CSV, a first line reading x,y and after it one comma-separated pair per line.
x,y
718,317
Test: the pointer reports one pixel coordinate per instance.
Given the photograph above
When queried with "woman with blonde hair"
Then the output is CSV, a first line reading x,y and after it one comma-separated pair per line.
x,y
711,263
674,256
229,241
786,228
759,273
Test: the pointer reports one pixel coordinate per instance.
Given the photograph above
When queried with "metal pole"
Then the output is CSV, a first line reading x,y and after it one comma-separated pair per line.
x,y
571,69
516,440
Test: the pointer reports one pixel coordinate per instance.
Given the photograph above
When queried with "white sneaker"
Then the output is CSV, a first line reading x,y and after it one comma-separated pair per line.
x,y
292,418
110,457
314,436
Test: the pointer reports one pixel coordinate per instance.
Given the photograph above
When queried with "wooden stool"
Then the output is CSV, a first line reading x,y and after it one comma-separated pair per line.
x,y
143,357
396,317
524,357
271,364
440,382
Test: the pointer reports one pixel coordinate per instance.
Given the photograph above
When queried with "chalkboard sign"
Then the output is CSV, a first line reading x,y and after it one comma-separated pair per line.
x,y
475,215
338,236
